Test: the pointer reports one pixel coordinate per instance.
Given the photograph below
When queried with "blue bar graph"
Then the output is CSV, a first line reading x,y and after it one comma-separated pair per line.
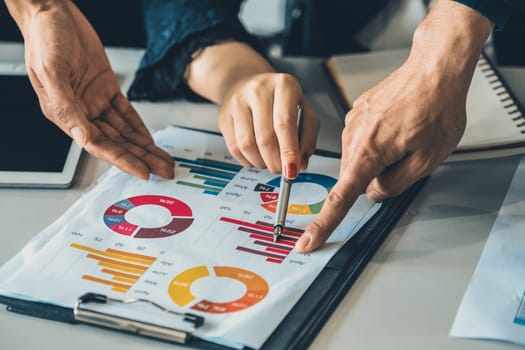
x,y
209,175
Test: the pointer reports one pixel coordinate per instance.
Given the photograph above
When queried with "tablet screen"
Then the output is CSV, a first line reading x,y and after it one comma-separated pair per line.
x,y
29,143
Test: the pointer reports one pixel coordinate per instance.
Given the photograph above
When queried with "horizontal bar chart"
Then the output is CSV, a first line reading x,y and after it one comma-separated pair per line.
x,y
209,176
121,269
262,243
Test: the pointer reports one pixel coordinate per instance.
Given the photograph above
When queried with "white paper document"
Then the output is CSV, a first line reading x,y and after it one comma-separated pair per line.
x,y
493,306
199,243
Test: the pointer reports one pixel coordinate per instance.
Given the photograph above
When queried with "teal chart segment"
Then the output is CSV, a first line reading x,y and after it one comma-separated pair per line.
x,y
209,176
269,195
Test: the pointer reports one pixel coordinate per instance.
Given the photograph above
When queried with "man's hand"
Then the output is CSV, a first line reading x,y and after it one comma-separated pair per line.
x,y
79,92
402,129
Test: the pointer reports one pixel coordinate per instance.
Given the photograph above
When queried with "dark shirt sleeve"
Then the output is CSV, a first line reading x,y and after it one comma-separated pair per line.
x,y
497,11
174,31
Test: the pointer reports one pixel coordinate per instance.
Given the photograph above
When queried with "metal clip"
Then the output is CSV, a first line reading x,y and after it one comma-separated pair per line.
x,y
134,326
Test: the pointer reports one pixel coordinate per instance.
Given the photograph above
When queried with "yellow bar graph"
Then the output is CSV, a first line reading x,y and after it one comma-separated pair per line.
x,y
120,268
120,274
103,281
117,262
125,268
125,280
117,254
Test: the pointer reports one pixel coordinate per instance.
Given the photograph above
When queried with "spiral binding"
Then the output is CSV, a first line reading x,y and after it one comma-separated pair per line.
x,y
504,94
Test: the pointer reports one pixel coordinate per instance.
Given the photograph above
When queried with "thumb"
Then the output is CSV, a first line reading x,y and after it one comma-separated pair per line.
x,y
64,109
398,177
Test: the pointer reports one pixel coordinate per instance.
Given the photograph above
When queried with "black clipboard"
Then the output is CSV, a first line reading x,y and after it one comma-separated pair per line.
x,y
301,325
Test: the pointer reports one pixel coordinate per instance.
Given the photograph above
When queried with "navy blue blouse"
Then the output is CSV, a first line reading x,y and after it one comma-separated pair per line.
x,y
498,12
176,29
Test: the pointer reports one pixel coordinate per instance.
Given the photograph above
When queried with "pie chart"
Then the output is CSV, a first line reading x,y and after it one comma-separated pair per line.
x,y
309,191
255,288
148,216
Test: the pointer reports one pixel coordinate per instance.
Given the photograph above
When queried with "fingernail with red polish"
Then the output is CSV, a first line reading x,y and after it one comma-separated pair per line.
x,y
290,171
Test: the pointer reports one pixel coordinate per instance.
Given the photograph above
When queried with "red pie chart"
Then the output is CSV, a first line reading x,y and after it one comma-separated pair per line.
x,y
179,217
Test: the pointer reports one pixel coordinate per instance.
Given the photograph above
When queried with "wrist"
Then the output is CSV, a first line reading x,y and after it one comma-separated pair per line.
x,y
23,10
215,70
450,39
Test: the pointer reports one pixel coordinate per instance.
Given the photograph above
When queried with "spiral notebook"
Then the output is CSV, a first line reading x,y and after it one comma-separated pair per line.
x,y
495,120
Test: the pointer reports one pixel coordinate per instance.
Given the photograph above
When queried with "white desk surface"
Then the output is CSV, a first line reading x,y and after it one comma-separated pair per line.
x,y
406,298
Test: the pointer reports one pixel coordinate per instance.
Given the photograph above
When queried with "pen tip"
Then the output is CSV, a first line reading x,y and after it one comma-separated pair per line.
x,y
276,233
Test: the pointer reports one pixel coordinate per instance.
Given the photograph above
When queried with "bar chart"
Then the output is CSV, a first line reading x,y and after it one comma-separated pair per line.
x,y
119,269
208,176
262,243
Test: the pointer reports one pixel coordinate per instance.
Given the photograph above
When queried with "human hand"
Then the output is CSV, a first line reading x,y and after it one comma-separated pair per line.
x,y
402,129
258,120
79,92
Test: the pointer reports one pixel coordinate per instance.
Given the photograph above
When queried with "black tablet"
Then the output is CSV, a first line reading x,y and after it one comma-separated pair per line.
x,y
33,151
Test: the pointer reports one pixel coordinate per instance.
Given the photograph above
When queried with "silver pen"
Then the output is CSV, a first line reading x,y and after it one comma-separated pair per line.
x,y
285,189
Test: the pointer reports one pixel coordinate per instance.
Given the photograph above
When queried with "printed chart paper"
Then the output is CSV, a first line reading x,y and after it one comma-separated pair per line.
x,y
199,243
493,306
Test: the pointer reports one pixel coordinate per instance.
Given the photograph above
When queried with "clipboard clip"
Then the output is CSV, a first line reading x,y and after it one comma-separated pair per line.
x,y
133,326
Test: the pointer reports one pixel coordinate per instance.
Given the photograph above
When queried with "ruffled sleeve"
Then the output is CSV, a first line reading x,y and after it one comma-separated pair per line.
x,y
174,31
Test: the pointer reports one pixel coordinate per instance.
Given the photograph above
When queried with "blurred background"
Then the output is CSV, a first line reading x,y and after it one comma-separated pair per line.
x,y
282,24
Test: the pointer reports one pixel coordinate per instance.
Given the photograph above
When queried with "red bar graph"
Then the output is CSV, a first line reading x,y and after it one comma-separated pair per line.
x,y
263,244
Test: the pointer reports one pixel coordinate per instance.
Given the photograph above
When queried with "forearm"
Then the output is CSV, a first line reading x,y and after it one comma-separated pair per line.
x,y
449,41
23,10
217,68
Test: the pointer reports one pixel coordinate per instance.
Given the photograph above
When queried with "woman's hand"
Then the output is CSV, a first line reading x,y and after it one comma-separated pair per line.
x,y
259,120
259,107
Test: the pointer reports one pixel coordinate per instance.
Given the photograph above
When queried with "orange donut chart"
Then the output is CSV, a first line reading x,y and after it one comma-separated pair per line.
x,y
179,289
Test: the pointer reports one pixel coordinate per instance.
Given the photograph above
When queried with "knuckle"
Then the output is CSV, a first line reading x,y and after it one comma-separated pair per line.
x,y
349,117
387,190
363,99
335,201
236,102
256,92
288,80
281,123
234,150
60,112
289,153
265,140
46,110
223,120
317,226
318,230
245,143
255,85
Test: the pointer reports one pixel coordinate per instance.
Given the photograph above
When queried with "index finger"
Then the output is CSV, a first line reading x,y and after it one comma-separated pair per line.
x,y
287,99
359,165
138,133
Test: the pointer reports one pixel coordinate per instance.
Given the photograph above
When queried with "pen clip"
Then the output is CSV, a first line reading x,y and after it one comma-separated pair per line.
x,y
133,326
